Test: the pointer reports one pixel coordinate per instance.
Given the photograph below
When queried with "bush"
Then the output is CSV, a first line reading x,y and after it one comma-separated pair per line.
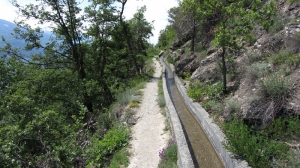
x,y
284,128
233,106
285,58
170,60
168,156
214,91
254,57
215,106
278,24
114,140
275,86
258,70
257,150
187,75
195,90
120,159
123,98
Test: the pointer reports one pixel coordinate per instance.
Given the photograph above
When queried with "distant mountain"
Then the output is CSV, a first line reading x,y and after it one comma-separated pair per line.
x,y
6,30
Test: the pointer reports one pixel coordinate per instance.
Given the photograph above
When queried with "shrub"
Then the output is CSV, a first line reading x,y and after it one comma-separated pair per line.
x,y
286,58
214,91
284,127
258,70
120,159
254,57
170,60
275,86
114,140
168,156
195,90
278,24
187,75
123,98
214,106
233,106
252,146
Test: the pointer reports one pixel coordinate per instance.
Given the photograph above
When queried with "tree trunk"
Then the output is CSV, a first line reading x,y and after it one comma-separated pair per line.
x,y
193,36
224,70
125,32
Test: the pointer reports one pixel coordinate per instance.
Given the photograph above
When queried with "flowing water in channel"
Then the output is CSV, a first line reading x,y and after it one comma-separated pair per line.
x,y
202,151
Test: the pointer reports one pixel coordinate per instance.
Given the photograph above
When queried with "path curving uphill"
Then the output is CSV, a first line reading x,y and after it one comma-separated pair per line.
x,y
148,135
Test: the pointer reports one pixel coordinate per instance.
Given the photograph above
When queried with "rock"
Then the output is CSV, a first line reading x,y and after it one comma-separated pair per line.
x,y
193,65
184,62
131,121
269,43
210,72
176,56
292,35
262,112
211,50
211,58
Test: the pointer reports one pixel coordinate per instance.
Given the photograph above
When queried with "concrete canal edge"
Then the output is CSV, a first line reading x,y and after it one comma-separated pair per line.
x,y
212,130
183,153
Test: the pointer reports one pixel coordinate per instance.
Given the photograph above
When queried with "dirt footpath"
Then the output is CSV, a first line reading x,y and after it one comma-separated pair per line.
x,y
148,136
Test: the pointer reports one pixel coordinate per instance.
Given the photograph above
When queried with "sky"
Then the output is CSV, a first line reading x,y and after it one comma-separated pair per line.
x,y
156,11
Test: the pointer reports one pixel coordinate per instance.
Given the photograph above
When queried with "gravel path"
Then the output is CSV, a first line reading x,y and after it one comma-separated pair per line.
x,y
148,136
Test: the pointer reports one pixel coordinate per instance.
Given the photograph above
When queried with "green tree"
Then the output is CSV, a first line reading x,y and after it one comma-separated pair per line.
x,y
141,30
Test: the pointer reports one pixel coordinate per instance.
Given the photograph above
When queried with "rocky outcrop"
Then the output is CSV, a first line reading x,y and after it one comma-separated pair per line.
x,y
183,63
292,37
208,69
261,111
269,43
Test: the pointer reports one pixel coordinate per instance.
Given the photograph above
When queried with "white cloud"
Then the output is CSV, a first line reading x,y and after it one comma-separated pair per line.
x,y
156,10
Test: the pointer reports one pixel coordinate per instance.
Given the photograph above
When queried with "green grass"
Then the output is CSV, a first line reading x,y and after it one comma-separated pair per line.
x,y
161,99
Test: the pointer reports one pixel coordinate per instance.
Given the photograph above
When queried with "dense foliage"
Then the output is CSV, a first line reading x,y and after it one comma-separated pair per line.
x,y
53,106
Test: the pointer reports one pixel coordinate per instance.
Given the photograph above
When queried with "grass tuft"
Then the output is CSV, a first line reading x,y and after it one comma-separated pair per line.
x,y
276,87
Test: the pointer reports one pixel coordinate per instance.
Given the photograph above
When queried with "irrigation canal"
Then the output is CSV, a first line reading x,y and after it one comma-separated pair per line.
x,y
201,149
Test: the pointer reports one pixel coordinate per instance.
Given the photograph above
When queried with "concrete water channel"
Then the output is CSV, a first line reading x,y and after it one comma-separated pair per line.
x,y
202,151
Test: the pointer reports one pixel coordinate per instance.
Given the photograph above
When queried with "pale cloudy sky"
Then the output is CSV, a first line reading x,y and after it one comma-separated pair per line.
x,y
156,10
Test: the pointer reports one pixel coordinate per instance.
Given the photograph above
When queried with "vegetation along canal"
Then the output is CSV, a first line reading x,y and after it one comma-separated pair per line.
x,y
202,151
